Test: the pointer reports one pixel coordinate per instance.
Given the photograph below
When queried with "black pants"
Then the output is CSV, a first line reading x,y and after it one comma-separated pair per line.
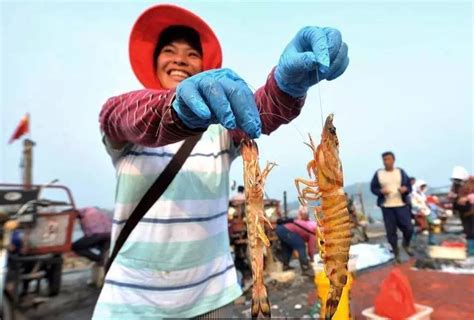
x,y
468,225
291,241
84,246
397,217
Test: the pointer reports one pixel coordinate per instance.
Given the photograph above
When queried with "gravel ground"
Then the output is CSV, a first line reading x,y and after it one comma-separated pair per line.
x,y
77,300
289,300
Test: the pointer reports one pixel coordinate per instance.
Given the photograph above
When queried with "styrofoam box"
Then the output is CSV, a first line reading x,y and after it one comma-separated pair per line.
x,y
422,313
319,266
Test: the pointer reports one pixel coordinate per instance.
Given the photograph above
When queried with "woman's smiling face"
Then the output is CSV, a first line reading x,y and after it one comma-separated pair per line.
x,y
176,62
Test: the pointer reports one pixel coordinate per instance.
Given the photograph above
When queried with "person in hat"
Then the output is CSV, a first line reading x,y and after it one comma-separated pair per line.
x,y
240,195
459,176
419,206
176,262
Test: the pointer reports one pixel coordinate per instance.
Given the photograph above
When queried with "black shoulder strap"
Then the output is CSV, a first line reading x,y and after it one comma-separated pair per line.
x,y
153,194
301,227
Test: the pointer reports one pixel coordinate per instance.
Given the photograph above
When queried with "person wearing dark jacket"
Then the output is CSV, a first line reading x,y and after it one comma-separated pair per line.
x,y
464,204
392,187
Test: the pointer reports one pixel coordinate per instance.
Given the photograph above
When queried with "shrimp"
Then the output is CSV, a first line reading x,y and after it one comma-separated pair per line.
x,y
254,181
332,215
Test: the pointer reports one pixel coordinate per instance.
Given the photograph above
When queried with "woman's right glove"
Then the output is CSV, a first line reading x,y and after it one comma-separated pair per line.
x,y
217,96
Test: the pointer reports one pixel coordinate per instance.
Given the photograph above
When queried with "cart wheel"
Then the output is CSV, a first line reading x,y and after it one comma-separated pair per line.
x,y
54,276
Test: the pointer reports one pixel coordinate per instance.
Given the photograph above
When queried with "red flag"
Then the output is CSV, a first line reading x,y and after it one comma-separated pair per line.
x,y
22,128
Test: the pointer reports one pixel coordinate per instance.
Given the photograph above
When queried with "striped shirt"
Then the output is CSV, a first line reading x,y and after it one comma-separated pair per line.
x,y
176,262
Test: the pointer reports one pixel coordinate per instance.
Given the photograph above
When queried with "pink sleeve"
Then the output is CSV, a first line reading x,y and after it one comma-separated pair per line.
x,y
143,117
275,106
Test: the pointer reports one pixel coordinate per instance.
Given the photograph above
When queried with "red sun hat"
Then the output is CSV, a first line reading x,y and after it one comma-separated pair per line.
x,y
145,33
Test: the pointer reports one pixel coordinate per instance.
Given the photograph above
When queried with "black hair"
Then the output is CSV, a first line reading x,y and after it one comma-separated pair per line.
x,y
240,189
174,33
388,153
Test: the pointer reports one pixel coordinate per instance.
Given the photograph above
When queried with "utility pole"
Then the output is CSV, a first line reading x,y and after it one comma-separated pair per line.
x,y
28,162
285,205
368,214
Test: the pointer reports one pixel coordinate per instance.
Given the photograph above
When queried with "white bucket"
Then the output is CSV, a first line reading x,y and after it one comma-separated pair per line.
x,y
422,313
319,266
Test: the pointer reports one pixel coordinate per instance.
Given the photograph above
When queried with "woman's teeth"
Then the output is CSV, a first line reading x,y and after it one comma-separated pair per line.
x,y
178,73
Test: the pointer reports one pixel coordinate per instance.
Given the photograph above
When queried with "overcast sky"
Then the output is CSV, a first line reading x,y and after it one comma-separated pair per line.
x,y
408,87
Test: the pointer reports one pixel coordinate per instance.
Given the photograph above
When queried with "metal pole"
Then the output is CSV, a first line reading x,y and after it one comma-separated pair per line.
x,y
285,205
362,202
28,162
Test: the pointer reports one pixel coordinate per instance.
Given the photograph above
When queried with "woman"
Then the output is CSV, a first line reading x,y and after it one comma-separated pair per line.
x,y
419,206
176,262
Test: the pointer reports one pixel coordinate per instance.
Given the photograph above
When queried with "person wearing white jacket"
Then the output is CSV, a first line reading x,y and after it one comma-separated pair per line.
x,y
419,206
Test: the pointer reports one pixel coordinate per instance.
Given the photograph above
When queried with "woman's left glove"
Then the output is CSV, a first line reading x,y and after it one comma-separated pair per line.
x,y
313,54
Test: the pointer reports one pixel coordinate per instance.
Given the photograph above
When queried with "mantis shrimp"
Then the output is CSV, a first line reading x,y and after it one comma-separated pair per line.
x,y
332,216
254,181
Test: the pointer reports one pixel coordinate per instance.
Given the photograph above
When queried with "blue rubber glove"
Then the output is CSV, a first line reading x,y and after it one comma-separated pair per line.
x,y
314,54
217,96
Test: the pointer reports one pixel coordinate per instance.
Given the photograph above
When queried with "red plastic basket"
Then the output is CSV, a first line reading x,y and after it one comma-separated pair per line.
x,y
453,244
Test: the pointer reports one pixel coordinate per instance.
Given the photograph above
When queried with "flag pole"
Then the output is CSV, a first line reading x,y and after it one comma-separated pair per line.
x,y
28,145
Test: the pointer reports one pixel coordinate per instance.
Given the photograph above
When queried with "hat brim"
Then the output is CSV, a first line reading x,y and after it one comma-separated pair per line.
x,y
145,33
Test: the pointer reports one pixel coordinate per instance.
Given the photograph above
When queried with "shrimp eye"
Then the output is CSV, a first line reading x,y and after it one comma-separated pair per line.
x,y
332,130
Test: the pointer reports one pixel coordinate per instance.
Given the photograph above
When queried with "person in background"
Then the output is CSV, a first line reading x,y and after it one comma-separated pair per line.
x,y
419,206
240,195
96,226
359,228
294,234
392,186
458,178
351,208
412,183
464,204
424,211
438,215
303,213
17,247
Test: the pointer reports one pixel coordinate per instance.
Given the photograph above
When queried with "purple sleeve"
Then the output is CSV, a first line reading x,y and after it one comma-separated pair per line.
x,y
143,117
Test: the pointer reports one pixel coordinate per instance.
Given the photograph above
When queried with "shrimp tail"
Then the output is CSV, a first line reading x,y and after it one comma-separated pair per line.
x,y
260,302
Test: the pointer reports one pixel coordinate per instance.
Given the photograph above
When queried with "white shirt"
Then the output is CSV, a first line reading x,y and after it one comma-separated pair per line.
x,y
391,180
